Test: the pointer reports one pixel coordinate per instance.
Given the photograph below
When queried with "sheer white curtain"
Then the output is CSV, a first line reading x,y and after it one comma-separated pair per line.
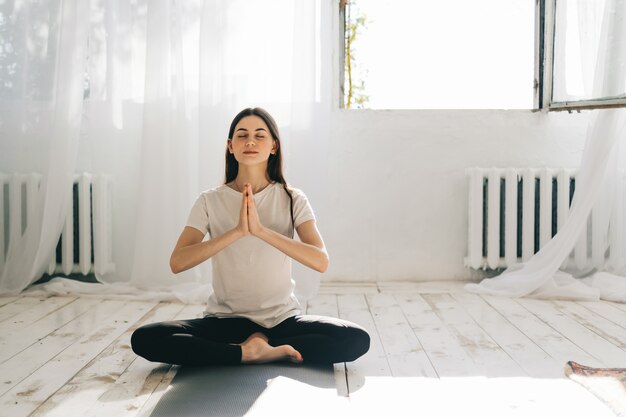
x,y
42,62
165,78
600,183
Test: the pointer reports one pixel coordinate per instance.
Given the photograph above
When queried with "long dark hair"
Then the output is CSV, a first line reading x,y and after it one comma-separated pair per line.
x,y
274,164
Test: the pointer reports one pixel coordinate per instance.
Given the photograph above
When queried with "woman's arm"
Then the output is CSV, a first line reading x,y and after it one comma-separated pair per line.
x,y
190,250
310,251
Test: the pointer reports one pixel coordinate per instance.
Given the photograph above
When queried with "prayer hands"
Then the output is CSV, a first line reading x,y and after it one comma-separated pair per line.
x,y
254,223
249,222
242,227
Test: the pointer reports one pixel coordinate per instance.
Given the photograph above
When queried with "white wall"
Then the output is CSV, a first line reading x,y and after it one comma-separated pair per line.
x,y
390,190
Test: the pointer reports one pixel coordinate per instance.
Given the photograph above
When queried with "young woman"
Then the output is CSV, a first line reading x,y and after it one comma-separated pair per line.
x,y
252,315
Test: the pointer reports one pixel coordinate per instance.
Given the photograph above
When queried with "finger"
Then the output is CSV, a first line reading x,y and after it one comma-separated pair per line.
x,y
251,207
244,205
250,198
250,204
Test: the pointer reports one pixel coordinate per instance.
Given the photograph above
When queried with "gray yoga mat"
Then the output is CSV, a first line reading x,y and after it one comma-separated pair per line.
x,y
227,391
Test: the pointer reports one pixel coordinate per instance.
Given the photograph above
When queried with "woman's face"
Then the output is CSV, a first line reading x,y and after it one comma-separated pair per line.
x,y
252,142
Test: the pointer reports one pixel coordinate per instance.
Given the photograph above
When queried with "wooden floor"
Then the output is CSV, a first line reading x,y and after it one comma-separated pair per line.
x,y
436,350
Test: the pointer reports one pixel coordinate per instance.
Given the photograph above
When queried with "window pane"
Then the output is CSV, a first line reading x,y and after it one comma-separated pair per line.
x,y
589,39
452,54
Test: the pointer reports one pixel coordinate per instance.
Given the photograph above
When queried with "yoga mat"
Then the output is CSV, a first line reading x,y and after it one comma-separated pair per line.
x,y
227,391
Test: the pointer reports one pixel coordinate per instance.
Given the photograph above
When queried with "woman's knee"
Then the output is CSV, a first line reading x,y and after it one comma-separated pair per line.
x,y
358,341
142,339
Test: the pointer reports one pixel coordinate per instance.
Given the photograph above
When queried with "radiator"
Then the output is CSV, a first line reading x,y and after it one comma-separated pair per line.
x,y
85,245
515,212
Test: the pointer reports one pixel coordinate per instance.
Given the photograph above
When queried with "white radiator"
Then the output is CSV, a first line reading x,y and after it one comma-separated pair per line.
x,y
85,245
515,212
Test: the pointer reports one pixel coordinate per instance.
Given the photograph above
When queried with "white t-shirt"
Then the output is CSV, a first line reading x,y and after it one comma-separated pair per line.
x,y
251,278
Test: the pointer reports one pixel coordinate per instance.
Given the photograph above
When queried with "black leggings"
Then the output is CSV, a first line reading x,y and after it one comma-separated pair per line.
x,y
209,340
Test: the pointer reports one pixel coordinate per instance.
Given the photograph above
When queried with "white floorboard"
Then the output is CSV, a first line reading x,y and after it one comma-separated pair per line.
x,y
445,352
533,360
435,350
608,311
28,395
546,337
11,306
31,310
26,329
90,384
403,350
595,345
595,322
8,299
35,356
488,356
619,306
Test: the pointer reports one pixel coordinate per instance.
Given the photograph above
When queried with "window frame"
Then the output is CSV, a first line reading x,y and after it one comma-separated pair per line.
x,y
545,21
539,56
342,52
544,68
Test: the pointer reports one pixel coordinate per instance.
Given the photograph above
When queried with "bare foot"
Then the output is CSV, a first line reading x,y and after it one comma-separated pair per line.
x,y
256,350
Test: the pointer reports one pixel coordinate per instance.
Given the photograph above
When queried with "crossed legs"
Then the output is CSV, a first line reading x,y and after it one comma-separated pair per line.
x,y
218,341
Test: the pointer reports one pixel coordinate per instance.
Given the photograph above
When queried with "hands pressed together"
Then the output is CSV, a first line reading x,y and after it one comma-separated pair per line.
x,y
190,250
249,222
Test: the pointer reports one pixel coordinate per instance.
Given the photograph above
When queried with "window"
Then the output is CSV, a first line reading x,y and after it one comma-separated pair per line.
x,y
425,54
585,54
